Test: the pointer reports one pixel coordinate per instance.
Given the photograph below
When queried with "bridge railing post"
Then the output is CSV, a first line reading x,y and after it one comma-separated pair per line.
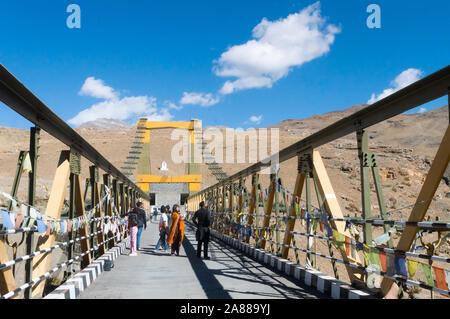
x,y
269,208
96,205
55,203
252,206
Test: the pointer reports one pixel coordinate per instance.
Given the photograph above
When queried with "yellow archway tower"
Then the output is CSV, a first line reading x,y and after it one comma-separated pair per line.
x,y
144,177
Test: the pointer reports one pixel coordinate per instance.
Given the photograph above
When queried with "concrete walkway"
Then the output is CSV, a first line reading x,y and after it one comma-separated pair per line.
x,y
157,275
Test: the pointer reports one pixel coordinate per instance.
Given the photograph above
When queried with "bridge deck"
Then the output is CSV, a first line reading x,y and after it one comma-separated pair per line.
x,y
157,275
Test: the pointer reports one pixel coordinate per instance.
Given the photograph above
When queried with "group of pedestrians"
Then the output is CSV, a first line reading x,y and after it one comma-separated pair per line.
x,y
171,229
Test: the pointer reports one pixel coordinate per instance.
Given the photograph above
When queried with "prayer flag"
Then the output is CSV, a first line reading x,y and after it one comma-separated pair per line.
x,y
353,248
347,245
366,252
6,220
339,239
27,167
382,256
33,213
412,267
12,218
400,266
321,226
48,228
382,239
374,257
41,227
19,220
31,222
447,277
440,278
359,245
390,264
427,271
315,224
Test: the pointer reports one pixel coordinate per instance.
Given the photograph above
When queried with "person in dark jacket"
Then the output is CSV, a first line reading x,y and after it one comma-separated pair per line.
x,y
202,219
142,222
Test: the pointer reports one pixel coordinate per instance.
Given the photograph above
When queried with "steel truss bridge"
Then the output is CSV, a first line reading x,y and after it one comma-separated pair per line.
x,y
277,229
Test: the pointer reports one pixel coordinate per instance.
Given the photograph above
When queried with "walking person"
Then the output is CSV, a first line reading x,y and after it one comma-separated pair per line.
x,y
202,219
133,228
155,214
176,233
142,222
163,229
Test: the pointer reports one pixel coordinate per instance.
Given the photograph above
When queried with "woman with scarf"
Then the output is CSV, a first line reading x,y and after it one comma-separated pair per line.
x,y
176,233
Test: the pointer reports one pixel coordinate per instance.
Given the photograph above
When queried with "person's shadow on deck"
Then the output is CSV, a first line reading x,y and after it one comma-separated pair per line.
x,y
211,286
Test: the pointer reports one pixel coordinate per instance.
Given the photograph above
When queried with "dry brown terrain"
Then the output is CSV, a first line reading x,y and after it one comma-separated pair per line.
x,y
405,146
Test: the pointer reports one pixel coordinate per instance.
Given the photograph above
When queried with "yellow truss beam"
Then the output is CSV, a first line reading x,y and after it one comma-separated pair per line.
x,y
172,179
155,125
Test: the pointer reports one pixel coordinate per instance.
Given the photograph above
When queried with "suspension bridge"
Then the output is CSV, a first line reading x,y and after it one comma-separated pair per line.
x,y
266,235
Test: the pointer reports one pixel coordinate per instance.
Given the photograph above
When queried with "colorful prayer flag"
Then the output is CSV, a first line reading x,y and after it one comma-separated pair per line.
x,y
339,239
382,257
47,233
400,266
427,271
440,278
374,257
390,264
412,267
6,219
31,222
447,277
315,224
19,220
41,227
347,245
366,252
33,213
353,248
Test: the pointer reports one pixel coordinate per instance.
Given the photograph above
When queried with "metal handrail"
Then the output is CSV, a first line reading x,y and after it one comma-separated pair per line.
x,y
425,90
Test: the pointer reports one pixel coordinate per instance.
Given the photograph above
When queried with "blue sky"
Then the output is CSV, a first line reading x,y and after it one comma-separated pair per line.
x,y
148,54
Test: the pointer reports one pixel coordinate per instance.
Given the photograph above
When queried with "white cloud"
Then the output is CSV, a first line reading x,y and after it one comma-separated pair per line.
x,y
402,80
173,106
162,115
117,108
256,119
277,47
199,99
422,110
96,88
